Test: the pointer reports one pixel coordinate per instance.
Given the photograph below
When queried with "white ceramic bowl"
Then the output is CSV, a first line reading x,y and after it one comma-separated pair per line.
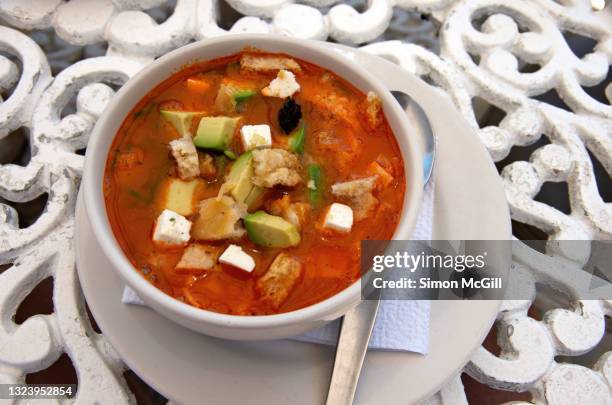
x,y
212,323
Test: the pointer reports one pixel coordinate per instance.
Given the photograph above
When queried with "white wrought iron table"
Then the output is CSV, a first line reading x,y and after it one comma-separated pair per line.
x,y
532,77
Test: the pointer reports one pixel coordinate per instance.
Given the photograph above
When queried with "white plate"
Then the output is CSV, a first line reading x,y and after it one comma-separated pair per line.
x,y
190,368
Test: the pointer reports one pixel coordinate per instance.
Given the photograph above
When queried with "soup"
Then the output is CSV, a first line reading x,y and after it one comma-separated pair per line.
x,y
245,185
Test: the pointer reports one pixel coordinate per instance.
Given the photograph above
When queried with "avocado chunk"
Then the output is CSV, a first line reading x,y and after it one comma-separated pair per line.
x,y
271,231
181,120
215,132
178,196
255,197
240,176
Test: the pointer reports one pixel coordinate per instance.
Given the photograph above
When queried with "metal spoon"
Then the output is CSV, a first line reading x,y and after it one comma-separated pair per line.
x,y
417,116
355,331
357,324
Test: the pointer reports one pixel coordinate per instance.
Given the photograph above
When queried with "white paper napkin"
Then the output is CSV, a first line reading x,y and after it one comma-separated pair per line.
x,y
399,326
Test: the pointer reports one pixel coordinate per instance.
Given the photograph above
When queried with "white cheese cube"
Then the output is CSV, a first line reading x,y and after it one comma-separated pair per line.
x,y
255,136
235,256
339,217
171,229
283,86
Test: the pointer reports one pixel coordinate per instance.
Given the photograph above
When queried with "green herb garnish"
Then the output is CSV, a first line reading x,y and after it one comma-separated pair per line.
x,y
297,140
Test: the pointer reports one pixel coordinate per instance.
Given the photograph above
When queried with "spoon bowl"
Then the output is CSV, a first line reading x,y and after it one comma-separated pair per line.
x,y
421,123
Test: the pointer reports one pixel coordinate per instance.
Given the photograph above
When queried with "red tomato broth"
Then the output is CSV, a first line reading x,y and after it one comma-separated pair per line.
x,y
331,261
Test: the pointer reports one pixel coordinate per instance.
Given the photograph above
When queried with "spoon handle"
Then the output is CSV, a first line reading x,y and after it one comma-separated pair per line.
x,y
355,334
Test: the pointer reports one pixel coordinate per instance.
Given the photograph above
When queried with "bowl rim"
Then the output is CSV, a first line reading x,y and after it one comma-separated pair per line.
x,y
95,163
